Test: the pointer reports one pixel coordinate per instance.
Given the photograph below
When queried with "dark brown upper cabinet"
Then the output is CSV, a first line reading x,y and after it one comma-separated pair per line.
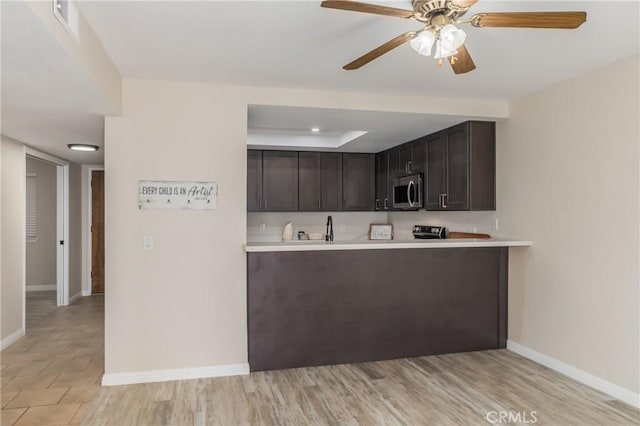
x,y
254,180
383,184
358,182
412,157
461,168
279,181
320,181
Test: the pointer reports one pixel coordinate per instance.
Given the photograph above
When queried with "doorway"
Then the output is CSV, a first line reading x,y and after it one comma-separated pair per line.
x,y
46,283
97,231
41,227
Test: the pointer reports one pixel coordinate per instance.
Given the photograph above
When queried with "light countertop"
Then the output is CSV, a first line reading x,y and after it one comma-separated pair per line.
x,y
307,245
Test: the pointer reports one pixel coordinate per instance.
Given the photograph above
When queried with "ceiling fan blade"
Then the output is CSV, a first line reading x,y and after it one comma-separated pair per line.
x,y
379,51
355,6
463,62
464,3
568,20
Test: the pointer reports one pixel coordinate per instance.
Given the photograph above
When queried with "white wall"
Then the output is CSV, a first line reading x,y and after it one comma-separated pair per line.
x,y
568,167
13,239
41,254
183,304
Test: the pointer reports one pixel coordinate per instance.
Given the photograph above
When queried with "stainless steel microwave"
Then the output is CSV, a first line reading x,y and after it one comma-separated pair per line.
x,y
408,193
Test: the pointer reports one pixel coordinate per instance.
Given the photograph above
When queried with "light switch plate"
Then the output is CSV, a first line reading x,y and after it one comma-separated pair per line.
x,y
148,242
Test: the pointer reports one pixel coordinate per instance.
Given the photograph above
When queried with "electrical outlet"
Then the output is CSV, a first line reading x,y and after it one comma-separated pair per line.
x,y
148,242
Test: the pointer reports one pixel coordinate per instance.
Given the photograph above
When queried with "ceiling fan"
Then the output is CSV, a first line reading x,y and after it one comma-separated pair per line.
x,y
439,17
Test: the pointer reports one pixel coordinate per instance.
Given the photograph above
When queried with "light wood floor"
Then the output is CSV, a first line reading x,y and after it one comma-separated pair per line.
x,y
51,377
39,304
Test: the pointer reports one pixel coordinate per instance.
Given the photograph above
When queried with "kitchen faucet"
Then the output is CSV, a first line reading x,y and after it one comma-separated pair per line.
x,y
329,234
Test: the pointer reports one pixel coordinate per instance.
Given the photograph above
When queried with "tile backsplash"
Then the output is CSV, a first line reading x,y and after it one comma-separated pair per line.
x,y
267,227
482,222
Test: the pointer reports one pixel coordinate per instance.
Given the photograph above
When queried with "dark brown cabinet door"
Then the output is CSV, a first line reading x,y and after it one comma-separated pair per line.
x,y
461,168
331,181
309,183
404,160
418,156
358,182
254,180
319,181
457,183
383,201
279,181
436,171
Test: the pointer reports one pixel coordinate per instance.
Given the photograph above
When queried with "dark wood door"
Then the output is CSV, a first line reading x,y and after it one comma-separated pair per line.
x,y
331,181
436,171
279,181
457,181
309,182
382,181
97,231
254,180
358,182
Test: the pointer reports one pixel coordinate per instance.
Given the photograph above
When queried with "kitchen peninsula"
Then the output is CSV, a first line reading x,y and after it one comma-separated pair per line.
x,y
317,303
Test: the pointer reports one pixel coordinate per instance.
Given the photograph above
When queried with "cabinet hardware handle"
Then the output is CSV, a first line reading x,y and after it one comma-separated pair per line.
x,y
410,165
318,204
444,204
265,203
377,204
386,203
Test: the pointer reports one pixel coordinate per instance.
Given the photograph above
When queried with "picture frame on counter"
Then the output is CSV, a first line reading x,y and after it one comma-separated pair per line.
x,y
380,231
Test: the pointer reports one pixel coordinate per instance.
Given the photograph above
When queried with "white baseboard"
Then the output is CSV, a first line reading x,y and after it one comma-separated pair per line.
x,y
86,293
51,287
581,376
75,297
151,376
11,339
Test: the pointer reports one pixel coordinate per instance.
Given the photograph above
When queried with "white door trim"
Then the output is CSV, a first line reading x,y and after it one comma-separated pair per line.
x,y
62,224
90,169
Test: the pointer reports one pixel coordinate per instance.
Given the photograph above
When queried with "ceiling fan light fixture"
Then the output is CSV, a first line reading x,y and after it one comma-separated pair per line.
x,y
422,43
449,40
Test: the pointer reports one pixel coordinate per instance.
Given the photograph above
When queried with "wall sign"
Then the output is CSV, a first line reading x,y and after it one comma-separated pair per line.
x,y
169,195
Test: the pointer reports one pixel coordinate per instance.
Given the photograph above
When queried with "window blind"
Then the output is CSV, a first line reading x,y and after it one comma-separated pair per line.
x,y
32,234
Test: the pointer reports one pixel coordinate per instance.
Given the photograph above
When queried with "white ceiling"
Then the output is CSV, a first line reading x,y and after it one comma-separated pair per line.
x,y
300,44
48,102
292,127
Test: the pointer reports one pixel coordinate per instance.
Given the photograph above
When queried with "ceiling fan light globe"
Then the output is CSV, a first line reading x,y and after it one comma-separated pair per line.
x,y
451,38
423,43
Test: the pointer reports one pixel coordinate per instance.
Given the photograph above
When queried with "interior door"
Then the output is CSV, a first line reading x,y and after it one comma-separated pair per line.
x,y
97,231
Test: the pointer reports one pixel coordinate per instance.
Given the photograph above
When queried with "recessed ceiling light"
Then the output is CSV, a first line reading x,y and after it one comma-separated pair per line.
x,y
315,129
83,147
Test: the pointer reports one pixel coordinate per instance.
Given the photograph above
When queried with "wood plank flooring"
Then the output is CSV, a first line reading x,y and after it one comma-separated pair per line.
x,y
51,376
